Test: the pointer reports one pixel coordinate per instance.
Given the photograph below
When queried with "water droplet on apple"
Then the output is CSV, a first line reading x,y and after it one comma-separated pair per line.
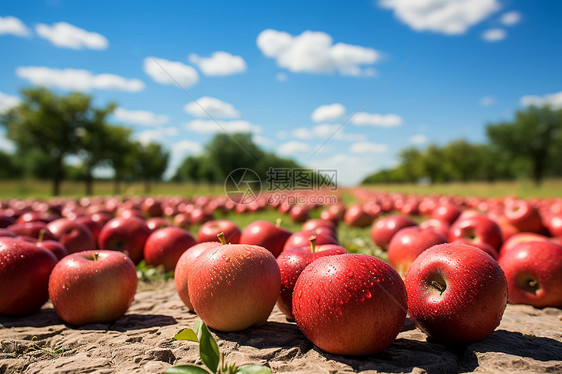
x,y
349,273
367,294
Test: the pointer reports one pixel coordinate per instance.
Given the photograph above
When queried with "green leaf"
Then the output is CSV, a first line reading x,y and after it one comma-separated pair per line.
x,y
197,327
186,369
186,334
254,369
208,349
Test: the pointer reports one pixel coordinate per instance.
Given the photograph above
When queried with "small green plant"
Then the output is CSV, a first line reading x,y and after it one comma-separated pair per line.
x,y
53,352
149,273
209,353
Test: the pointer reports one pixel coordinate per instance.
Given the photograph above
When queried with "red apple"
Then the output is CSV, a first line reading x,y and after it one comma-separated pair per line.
x,y
54,247
350,304
156,223
126,235
519,238
302,239
553,223
313,224
477,228
6,232
357,216
292,263
438,225
234,286
24,276
483,246
94,226
93,287
6,221
524,216
447,212
299,213
184,267
32,229
266,234
75,236
384,229
408,243
199,216
152,207
182,220
209,231
534,273
166,245
456,293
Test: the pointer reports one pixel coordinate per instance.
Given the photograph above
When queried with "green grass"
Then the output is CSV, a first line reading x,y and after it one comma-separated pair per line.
x,y
520,188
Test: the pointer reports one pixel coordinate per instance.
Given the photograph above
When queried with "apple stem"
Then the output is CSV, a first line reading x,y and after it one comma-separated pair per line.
x,y
41,235
221,237
278,222
96,256
439,286
533,283
312,241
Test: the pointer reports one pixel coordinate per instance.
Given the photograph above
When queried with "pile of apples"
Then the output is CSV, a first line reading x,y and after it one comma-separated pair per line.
x,y
453,263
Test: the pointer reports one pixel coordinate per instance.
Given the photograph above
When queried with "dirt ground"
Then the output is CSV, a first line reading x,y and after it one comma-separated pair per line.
x,y
527,341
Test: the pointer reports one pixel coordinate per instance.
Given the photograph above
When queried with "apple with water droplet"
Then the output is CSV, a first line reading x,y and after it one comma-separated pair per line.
x,y
350,304
126,235
234,286
209,231
534,273
266,234
457,293
292,263
93,287
166,245
477,228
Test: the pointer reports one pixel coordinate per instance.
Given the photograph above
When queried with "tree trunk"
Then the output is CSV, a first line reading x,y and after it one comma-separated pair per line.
x,y
57,176
538,169
89,183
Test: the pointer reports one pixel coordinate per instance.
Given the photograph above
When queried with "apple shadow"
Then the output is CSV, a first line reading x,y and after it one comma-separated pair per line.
x,y
43,318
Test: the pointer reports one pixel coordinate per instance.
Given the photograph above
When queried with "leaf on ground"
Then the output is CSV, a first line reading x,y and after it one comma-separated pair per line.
x,y
186,369
208,349
186,334
254,369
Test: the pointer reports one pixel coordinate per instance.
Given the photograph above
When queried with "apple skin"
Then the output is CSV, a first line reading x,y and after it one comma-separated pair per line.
x,y
313,224
299,213
94,226
350,304
6,233
438,225
357,216
184,267
483,246
93,287
234,286
53,246
24,276
519,238
292,263
477,228
384,229
472,303
125,235
553,223
156,223
534,273
75,236
524,216
166,245
408,243
446,212
209,231
266,234
32,229
302,239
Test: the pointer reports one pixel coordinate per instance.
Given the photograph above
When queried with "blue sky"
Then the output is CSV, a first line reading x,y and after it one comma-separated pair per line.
x,y
388,74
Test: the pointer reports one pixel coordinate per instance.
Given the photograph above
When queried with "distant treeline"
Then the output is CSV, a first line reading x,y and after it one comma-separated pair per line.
x,y
530,146
48,130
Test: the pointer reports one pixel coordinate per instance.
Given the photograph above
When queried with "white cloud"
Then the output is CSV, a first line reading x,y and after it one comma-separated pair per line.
x,y
14,26
451,17
368,147
7,102
554,100
282,134
325,131
487,100
75,79
292,148
207,126
7,145
140,117
178,152
65,35
330,112
219,64
350,168
169,72
510,18
418,139
155,136
375,119
314,52
263,140
211,107
494,35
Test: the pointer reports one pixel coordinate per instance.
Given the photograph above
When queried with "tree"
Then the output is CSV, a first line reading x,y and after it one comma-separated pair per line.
x,y
9,168
119,152
464,161
533,137
410,161
50,124
149,162
227,153
189,170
